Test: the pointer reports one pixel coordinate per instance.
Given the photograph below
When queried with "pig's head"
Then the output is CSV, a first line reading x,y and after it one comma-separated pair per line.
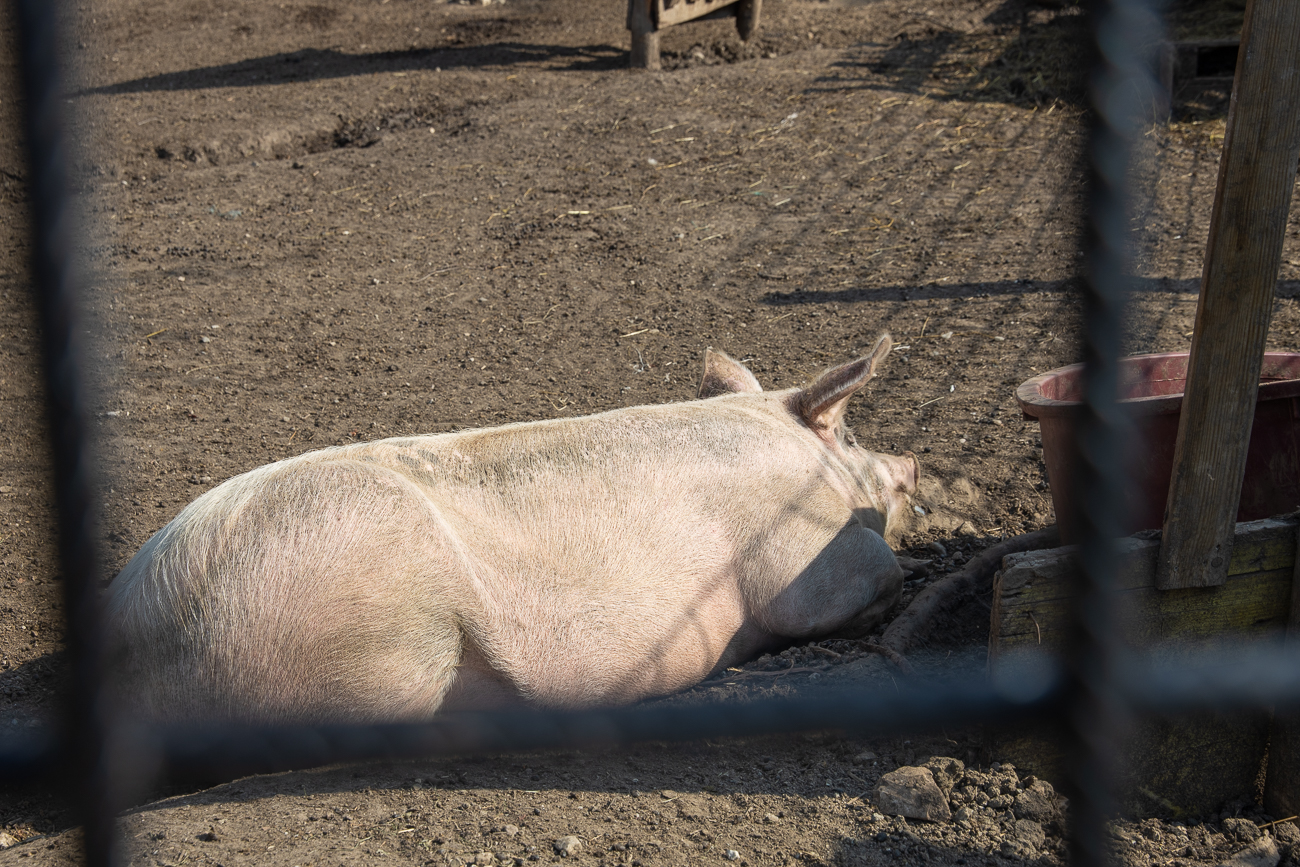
x,y
878,487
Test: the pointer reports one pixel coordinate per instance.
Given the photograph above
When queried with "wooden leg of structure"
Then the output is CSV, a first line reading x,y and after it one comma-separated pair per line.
x,y
748,13
645,38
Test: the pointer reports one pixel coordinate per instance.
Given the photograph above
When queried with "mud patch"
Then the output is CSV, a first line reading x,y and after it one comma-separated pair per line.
x,y
316,16
483,31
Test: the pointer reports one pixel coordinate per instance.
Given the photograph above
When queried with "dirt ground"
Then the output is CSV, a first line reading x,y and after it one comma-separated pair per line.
x,y
320,223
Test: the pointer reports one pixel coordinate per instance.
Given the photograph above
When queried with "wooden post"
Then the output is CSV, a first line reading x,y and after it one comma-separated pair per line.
x,y
645,36
1256,181
1282,785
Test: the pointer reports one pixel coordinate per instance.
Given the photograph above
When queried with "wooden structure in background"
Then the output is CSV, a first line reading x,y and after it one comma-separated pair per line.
x,y
1257,174
1202,548
645,18
1206,59
1172,767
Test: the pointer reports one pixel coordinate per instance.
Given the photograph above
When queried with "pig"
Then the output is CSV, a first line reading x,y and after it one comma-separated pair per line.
x,y
570,563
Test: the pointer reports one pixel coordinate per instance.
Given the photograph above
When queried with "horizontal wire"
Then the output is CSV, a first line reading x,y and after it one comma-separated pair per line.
x,y
1261,678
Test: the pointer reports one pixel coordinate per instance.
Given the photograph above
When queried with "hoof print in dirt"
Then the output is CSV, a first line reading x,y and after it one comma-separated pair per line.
x,y
567,847
913,794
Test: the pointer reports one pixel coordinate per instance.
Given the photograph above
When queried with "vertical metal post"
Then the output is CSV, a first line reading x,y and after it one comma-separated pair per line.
x,y
55,288
1121,91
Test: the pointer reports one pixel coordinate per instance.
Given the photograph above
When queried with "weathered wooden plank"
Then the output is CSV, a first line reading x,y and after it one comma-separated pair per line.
x,y
1034,589
1186,765
1248,605
646,18
749,13
669,12
1256,177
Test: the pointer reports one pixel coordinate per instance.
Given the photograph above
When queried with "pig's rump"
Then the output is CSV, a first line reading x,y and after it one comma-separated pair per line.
x,y
328,592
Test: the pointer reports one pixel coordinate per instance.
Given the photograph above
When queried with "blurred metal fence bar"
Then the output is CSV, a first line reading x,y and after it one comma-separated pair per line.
x,y
1262,679
57,295
150,754
1122,87
199,753
1215,680
1259,678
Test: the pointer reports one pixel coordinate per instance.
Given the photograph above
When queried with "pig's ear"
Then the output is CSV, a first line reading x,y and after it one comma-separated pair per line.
x,y
821,405
725,375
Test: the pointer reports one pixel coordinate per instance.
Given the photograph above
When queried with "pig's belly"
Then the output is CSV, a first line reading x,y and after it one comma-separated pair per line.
x,y
605,654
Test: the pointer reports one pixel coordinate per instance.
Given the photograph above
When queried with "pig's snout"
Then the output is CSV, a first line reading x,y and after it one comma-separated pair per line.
x,y
902,473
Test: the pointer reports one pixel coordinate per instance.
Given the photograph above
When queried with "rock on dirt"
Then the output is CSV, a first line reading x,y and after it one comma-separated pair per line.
x,y
567,847
1030,833
1037,801
1288,841
913,794
947,771
1241,830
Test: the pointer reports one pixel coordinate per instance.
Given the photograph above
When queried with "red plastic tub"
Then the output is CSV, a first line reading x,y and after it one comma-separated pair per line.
x,y
1152,392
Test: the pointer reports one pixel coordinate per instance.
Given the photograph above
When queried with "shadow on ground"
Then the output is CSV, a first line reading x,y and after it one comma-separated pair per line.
x,y
1141,286
314,64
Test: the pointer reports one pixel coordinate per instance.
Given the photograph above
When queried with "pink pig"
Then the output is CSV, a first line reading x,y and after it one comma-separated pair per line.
x,y
567,563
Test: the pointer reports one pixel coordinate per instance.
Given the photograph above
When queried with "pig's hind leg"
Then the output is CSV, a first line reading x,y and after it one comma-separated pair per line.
x,y
879,570
343,595
476,685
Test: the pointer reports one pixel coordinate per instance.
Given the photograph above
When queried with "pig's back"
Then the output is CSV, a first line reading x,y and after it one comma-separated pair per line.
x,y
609,548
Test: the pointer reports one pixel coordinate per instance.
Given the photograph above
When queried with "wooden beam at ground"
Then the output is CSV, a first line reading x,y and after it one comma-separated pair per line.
x,y
1256,180
1282,786
1185,765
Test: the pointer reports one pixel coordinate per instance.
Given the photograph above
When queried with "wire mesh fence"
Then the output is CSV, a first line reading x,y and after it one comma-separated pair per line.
x,y
1089,697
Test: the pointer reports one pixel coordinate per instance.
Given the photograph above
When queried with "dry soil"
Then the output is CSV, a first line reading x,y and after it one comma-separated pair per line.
x,y
318,223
